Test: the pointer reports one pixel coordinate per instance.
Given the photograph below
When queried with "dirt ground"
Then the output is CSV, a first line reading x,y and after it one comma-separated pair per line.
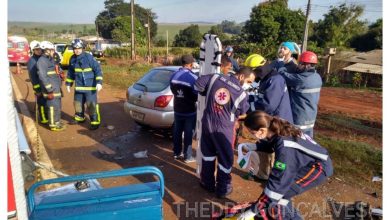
x,y
353,103
79,150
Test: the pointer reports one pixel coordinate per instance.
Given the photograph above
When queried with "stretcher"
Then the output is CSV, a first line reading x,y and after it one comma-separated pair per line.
x,y
134,201
210,63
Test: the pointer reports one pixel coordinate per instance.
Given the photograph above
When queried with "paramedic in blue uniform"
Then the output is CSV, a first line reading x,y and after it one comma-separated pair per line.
x,y
305,86
84,71
300,164
34,78
184,107
50,83
225,102
272,94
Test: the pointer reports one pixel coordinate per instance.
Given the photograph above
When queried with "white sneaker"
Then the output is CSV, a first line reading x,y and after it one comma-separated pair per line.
x,y
189,160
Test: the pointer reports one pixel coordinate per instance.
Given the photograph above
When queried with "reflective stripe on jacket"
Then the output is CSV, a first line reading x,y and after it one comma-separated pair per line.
x,y
290,157
85,72
182,86
48,79
304,94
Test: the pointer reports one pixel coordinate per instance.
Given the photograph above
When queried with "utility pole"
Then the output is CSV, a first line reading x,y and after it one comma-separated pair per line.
x,y
149,49
304,43
167,44
132,31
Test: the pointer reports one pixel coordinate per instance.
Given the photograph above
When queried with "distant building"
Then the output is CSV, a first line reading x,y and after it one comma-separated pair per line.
x,y
68,36
368,64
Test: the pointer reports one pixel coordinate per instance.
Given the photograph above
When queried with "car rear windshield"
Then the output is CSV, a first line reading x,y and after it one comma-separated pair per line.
x,y
155,80
60,48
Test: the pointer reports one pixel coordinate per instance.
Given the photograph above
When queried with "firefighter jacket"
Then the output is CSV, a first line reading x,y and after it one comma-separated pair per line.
x,y
182,87
85,72
33,73
49,80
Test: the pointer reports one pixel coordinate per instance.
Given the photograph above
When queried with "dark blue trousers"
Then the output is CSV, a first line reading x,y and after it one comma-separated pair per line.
x,y
54,110
184,124
90,99
217,144
41,109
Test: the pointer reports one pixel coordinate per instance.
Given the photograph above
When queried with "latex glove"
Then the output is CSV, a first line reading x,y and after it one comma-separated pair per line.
x,y
68,89
50,95
247,215
249,146
99,87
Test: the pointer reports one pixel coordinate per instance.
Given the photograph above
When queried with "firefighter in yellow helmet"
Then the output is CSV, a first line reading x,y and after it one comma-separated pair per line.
x,y
254,61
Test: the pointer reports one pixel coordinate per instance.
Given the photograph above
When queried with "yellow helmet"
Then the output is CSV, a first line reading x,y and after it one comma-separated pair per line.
x,y
254,61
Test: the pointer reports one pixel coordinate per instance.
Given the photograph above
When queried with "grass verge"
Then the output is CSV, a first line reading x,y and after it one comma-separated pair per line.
x,y
350,128
124,75
354,162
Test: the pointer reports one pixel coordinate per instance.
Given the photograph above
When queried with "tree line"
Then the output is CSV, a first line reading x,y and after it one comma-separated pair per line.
x,y
270,23
273,22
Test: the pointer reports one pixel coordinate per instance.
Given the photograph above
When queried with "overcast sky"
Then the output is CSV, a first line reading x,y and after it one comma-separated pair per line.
x,y
168,11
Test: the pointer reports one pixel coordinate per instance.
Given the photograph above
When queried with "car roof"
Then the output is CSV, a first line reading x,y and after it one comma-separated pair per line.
x,y
172,68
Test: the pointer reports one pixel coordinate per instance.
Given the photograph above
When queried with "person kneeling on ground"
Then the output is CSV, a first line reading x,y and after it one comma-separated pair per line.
x,y
300,164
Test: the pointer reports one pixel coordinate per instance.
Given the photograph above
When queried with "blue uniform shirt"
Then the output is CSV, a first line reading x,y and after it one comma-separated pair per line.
x,y
182,87
273,97
305,94
290,157
225,100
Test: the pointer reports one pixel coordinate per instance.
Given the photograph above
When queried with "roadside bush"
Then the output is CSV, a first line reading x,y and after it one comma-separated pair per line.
x,y
357,80
334,80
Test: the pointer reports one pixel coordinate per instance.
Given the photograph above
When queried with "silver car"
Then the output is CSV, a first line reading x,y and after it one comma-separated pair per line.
x,y
150,100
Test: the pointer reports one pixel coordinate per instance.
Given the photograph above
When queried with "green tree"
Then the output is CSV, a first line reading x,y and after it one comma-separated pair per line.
x,y
122,30
230,27
118,8
339,26
217,30
370,40
270,24
188,37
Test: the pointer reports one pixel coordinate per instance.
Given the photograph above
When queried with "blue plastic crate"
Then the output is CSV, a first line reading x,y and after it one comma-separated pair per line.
x,y
134,201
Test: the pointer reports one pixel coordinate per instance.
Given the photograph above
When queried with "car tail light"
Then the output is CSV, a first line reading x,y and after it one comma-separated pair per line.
x,y
127,95
162,101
